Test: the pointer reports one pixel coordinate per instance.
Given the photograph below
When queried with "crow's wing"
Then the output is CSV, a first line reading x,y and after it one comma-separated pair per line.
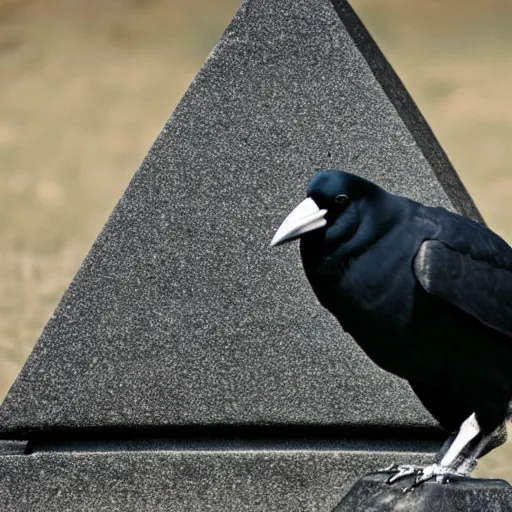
x,y
472,270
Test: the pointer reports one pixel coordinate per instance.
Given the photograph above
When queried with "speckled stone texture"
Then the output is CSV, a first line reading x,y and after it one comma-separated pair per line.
x,y
372,494
184,480
181,314
182,317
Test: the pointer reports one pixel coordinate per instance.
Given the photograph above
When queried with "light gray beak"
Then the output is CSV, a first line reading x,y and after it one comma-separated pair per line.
x,y
305,217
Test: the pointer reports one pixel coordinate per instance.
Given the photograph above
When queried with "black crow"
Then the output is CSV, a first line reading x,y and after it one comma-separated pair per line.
x,y
426,293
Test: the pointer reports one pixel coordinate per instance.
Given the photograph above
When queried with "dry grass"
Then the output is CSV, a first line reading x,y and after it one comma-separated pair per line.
x,y
85,89
86,86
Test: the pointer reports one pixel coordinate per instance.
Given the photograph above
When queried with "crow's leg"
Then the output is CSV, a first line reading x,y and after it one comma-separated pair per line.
x,y
445,448
469,430
455,456
487,443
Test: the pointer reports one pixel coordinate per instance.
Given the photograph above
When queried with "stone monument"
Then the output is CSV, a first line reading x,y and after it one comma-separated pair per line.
x,y
189,366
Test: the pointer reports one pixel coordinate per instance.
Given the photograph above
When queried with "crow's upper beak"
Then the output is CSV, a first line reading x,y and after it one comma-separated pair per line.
x,y
305,217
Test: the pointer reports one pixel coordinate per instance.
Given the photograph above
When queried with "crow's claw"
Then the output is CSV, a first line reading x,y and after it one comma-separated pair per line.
x,y
389,469
443,475
403,472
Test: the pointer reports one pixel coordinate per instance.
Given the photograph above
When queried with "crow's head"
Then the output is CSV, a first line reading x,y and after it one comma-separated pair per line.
x,y
338,204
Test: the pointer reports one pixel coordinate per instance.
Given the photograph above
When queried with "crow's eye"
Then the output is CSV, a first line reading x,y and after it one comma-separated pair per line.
x,y
341,199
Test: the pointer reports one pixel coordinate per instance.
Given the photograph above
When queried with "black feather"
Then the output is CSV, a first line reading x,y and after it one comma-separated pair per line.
x,y
426,293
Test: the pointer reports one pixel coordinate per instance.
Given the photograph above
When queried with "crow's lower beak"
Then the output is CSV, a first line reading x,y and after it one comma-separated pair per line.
x,y
306,217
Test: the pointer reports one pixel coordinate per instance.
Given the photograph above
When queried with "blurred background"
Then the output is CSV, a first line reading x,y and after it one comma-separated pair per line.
x,y
86,86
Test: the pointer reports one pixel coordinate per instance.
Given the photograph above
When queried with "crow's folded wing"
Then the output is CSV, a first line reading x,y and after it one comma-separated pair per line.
x,y
478,283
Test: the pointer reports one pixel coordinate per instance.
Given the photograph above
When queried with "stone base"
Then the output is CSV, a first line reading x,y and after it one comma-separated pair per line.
x,y
166,476
372,494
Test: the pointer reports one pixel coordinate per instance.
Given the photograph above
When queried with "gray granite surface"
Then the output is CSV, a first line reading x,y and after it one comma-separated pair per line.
x,y
185,480
373,494
181,314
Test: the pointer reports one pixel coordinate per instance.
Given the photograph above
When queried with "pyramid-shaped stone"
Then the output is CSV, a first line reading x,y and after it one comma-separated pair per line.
x,y
181,314
189,367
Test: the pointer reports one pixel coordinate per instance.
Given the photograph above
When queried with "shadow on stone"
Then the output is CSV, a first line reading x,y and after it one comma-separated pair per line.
x,y
372,494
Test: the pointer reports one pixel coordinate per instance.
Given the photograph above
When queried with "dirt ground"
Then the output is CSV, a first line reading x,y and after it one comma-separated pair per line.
x,y
86,86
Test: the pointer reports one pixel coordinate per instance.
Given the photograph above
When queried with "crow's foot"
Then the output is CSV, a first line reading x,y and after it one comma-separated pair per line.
x,y
399,472
442,474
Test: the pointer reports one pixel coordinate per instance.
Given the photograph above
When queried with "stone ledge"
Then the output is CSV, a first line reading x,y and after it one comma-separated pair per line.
x,y
156,479
372,494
